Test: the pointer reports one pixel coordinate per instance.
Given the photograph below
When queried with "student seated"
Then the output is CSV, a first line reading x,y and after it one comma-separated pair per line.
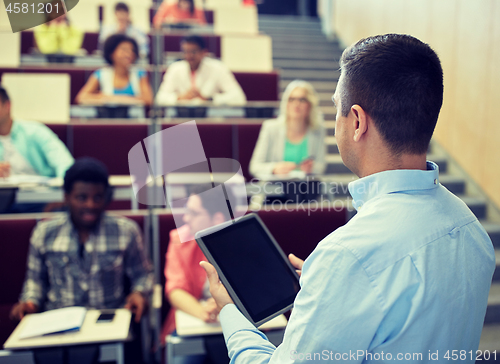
x,y
186,282
124,25
121,82
29,147
57,36
182,12
294,140
84,257
199,78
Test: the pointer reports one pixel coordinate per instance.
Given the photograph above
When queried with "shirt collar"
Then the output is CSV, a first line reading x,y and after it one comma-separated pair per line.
x,y
399,180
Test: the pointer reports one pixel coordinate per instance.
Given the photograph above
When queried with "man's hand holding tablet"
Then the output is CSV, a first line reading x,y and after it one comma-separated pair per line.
x,y
219,292
217,289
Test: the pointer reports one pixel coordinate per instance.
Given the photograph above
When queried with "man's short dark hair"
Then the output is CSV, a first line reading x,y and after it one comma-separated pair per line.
x,y
398,81
194,39
121,7
210,202
4,96
88,170
113,42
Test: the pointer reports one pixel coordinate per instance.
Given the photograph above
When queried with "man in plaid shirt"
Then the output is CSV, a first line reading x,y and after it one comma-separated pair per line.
x,y
84,257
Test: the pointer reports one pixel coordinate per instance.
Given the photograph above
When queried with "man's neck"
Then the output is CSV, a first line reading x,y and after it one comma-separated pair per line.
x,y
405,161
6,126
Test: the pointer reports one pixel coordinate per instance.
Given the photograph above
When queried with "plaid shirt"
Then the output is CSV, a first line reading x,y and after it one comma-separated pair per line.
x,y
59,274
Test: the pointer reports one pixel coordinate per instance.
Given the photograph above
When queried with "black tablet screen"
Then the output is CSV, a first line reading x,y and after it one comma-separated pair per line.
x,y
254,268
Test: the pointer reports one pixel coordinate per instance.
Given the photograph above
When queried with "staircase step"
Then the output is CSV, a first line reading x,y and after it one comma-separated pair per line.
x,y
477,206
305,55
493,310
493,231
292,64
325,86
309,75
496,274
490,339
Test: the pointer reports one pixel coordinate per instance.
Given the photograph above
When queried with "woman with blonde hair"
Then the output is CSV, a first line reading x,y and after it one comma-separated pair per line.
x,y
294,140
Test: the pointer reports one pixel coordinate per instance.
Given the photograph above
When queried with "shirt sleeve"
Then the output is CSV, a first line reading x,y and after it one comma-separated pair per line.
x,y
55,152
167,93
161,13
335,316
230,90
46,39
319,164
71,39
175,273
36,281
259,164
137,265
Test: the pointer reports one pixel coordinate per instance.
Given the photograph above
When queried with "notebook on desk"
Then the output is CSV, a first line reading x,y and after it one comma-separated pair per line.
x,y
53,322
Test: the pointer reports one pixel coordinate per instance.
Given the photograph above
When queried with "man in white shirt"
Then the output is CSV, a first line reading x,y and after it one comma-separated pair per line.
x,y
199,77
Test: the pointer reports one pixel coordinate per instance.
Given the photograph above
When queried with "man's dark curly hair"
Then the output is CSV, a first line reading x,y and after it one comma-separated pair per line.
x,y
113,42
88,170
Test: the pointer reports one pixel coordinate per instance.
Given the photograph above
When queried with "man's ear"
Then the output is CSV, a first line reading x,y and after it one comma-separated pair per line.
x,y
360,121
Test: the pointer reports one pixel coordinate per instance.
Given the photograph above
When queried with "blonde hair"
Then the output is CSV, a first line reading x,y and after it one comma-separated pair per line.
x,y
315,118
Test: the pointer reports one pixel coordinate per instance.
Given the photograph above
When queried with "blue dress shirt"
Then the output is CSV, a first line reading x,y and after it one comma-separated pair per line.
x,y
407,279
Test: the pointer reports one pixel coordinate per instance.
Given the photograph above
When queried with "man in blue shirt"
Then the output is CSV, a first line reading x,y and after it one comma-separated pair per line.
x,y
29,147
407,279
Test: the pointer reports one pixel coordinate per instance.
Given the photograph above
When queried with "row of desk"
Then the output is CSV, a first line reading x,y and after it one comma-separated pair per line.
x,y
257,86
111,140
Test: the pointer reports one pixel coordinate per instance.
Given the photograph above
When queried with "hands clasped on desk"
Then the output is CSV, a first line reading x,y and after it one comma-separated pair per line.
x,y
219,292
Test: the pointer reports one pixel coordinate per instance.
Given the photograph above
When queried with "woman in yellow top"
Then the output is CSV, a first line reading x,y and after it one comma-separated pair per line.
x,y
58,36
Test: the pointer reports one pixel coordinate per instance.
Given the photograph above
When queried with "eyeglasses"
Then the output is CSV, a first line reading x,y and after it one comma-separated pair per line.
x,y
301,100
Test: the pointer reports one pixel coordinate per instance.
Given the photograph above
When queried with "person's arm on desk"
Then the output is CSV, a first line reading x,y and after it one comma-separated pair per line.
x,y
35,284
21,309
184,301
4,169
140,272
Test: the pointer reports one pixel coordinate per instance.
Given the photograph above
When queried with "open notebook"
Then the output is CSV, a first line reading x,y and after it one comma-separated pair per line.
x,y
187,325
53,322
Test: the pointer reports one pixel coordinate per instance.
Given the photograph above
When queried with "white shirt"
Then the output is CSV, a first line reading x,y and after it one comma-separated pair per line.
x,y
18,164
212,78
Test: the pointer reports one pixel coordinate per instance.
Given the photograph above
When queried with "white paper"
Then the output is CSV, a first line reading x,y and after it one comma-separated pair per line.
x,y
54,321
292,175
187,325
24,178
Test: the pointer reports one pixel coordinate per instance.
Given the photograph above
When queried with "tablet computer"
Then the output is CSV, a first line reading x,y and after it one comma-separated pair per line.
x,y
251,265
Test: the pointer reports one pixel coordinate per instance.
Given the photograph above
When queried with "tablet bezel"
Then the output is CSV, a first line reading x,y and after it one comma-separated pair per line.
x,y
199,239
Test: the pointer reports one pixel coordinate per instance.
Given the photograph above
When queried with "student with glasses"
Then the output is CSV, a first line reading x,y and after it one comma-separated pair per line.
x,y
294,140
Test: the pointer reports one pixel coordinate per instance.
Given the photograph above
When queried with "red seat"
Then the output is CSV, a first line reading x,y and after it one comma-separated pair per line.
x,y
13,254
259,86
61,130
247,139
90,42
110,143
299,231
